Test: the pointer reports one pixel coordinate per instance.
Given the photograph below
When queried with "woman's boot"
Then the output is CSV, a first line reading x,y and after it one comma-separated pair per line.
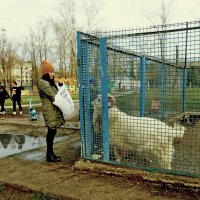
x,y
51,156
57,157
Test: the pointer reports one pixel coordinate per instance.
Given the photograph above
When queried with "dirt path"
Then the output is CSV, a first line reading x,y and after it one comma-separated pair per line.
x,y
22,179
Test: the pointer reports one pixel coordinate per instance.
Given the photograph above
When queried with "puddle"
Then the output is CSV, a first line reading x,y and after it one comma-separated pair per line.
x,y
33,155
76,145
75,125
11,144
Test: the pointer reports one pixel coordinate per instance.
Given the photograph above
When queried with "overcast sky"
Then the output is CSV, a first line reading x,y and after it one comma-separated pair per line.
x,y
18,16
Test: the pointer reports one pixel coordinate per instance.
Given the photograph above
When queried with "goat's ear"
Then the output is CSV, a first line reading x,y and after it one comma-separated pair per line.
x,y
112,100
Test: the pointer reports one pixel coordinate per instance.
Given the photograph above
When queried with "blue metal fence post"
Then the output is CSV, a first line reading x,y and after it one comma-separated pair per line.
x,y
87,103
85,119
163,93
103,64
142,85
80,88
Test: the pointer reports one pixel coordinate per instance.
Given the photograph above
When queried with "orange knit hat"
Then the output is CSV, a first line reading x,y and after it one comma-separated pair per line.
x,y
46,67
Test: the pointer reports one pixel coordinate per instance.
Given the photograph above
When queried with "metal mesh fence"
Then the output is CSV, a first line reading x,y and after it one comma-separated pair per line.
x,y
140,98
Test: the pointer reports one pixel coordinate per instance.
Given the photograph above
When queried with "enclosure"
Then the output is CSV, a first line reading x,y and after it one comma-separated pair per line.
x,y
140,97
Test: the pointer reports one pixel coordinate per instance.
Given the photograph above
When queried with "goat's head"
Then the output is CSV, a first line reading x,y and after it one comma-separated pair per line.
x,y
111,101
97,103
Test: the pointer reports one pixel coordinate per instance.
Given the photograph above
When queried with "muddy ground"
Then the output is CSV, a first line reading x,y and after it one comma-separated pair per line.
x,y
16,181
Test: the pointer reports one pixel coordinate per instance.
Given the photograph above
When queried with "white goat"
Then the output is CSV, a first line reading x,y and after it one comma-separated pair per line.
x,y
141,134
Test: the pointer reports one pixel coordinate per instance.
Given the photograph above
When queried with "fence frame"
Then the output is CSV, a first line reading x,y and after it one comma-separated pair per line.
x,y
83,40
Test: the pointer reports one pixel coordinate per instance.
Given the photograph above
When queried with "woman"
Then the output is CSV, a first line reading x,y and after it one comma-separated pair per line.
x,y
16,97
52,115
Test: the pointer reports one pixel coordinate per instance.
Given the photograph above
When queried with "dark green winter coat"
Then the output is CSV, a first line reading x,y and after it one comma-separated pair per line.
x,y
53,117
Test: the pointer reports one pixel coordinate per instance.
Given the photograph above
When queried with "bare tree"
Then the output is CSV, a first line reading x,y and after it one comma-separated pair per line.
x,y
7,57
44,39
21,53
55,39
67,32
65,35
3,45
162,18
159,20
40,46
34,55
92,10
9,63
61,45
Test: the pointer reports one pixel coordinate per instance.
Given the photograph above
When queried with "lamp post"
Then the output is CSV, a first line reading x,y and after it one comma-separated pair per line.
x,y
3,38
3,54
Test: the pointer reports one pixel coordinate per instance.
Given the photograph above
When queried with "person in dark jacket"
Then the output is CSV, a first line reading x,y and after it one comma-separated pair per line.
x,y
15,93
3,96
53,116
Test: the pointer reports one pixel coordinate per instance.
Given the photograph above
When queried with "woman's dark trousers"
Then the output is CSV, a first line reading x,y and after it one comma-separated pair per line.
x,y
2,102
19,104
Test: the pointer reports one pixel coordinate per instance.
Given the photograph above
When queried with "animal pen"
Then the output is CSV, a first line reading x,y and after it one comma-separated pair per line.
x,y
139,95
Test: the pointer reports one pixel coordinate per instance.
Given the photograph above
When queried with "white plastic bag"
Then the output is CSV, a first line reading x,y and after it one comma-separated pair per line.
x,y
64,101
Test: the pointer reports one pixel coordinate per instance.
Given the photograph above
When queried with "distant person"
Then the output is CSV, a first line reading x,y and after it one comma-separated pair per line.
x,y
3,96
53,116
15,93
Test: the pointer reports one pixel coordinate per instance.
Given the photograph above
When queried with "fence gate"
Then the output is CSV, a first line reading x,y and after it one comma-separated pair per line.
x,y
140,98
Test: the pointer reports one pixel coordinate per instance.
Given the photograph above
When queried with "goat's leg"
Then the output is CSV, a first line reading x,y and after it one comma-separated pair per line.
x,y
166,155
117,155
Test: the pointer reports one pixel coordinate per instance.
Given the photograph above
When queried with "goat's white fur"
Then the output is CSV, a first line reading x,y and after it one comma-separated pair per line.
x,y
143,134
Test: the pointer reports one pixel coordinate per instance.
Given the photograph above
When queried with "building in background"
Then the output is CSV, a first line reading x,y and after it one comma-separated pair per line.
x,y
22,73
19,71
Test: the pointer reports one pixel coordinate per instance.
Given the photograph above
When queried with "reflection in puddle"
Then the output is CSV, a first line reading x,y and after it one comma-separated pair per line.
x,y
11,144
76,145
34,155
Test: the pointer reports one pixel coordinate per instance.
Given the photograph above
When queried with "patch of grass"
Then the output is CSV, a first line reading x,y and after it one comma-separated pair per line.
x,y
173,99
35,99
42,196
